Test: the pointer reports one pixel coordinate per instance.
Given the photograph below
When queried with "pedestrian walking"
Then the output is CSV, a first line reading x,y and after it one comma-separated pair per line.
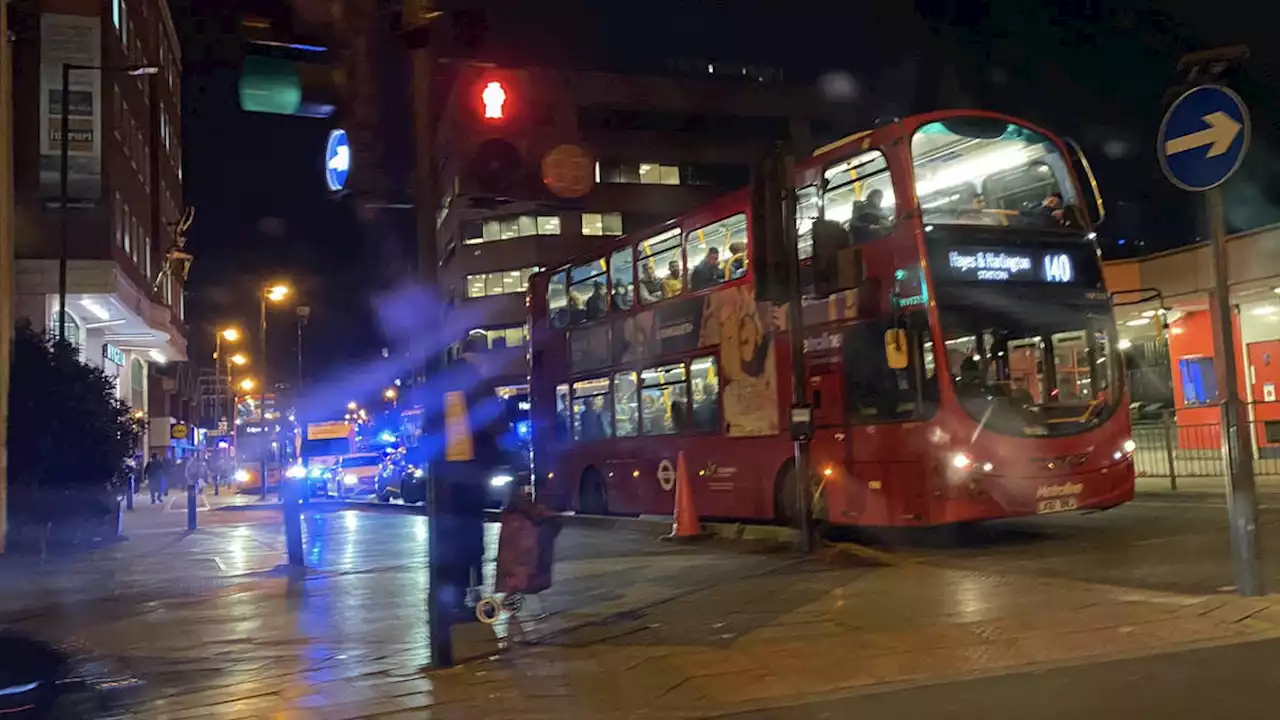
x,y
154,473
196,471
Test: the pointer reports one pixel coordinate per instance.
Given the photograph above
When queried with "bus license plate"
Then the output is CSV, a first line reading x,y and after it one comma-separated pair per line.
x,y
1056,505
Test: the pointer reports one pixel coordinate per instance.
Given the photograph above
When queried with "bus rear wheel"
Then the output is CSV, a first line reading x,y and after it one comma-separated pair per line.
x,y
785,506
592,499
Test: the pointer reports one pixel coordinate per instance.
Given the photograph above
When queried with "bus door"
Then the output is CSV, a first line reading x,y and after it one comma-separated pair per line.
x,y
882,400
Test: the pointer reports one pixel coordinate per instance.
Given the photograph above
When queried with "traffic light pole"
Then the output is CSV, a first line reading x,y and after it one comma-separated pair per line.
x,y
417,18
795,326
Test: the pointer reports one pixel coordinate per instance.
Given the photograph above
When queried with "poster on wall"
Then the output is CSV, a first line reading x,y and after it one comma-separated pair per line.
x,y
74,39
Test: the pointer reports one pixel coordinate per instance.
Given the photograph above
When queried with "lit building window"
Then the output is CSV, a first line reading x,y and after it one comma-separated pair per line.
x,y
596,224
507,228
501,282
73,329
497,338
642,173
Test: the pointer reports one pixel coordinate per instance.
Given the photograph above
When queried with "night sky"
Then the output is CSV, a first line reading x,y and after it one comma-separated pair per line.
x,y
1092,69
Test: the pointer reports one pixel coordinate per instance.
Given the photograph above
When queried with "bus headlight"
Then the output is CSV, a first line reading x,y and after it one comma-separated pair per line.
x,y
350,479
295,472
241,476
961,460
1126,448
500,480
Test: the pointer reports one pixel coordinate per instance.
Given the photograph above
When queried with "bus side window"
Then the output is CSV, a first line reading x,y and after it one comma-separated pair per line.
x,y
562,412
859,195
806,213
588,291
659,272
558,300
664,404
705,381
626,406
716,253
622,279
592,410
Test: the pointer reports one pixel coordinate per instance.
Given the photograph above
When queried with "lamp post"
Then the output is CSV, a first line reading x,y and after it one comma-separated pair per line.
x,y
230,334
304,313
64,152
276,292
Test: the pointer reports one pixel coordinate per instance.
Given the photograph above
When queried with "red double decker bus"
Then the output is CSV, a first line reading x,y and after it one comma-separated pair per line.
x,y
968,372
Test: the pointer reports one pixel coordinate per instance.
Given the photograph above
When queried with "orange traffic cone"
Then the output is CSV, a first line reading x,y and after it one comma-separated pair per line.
x,y
685,525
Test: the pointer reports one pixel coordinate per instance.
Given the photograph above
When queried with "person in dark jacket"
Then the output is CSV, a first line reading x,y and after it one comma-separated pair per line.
x,y
460,480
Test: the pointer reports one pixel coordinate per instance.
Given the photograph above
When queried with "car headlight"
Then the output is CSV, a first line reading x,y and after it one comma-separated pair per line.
x,y
295,472
417,472
241,476
350,479
316,472
500,480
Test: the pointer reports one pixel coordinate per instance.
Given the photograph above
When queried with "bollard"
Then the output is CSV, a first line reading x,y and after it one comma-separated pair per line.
x,y
191,506
291,506
439,610
1170,428
129,492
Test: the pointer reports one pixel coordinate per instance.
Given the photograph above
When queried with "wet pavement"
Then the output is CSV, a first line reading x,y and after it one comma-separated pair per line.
x,y
1235,681
633,627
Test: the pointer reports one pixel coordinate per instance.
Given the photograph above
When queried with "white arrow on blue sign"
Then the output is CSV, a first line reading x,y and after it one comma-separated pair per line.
x,y
1203,138
337,160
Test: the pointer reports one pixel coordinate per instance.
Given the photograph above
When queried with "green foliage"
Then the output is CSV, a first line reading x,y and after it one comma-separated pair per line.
x,y
66,427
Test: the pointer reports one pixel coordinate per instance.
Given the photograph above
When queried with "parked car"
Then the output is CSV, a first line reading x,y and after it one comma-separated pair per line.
x,y
407,479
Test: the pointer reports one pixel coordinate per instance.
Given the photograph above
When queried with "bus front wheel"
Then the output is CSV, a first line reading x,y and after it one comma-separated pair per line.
x,y
592,499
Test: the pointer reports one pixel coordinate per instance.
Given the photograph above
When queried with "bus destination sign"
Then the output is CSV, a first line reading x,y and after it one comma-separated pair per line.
x,y
970,264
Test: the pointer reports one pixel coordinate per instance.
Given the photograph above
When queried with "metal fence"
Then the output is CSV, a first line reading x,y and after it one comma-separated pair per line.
x,y
1188,442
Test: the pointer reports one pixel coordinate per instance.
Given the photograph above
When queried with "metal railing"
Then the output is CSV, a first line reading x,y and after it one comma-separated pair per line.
x,y
1187,442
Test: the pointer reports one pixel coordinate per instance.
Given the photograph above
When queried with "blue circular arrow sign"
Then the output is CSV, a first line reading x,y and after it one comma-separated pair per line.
x,y
1203,138
337,160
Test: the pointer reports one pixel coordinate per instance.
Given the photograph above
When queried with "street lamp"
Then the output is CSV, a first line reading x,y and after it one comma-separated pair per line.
x,y
353,406
64,161
230,334
238,359
247,384
271,292
391,394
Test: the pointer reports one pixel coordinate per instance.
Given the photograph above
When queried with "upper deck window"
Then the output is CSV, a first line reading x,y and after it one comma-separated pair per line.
x,y
716,253
588,291
658,262
859,196
985,171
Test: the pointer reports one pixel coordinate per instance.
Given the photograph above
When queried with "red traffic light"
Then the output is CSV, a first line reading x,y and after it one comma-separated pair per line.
x,y
494,98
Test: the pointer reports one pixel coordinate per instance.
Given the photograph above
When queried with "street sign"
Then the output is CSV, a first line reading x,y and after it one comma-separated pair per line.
x,y
337,160
1203,138
666,475
178,431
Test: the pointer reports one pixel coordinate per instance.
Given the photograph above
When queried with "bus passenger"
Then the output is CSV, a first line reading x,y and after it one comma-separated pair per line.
x,y
671,284
706,273
598,303
650,286
737,265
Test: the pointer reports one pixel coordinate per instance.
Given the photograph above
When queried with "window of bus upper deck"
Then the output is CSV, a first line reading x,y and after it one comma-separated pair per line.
x,y
588,291
716,253
558,299
859,195
985,171
659,272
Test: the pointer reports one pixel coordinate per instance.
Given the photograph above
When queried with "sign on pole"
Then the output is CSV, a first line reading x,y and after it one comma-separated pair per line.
x,y
1203,138
1202,141
337,160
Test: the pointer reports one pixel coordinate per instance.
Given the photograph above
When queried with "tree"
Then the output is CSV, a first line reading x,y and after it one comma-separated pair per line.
x,y
67,430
